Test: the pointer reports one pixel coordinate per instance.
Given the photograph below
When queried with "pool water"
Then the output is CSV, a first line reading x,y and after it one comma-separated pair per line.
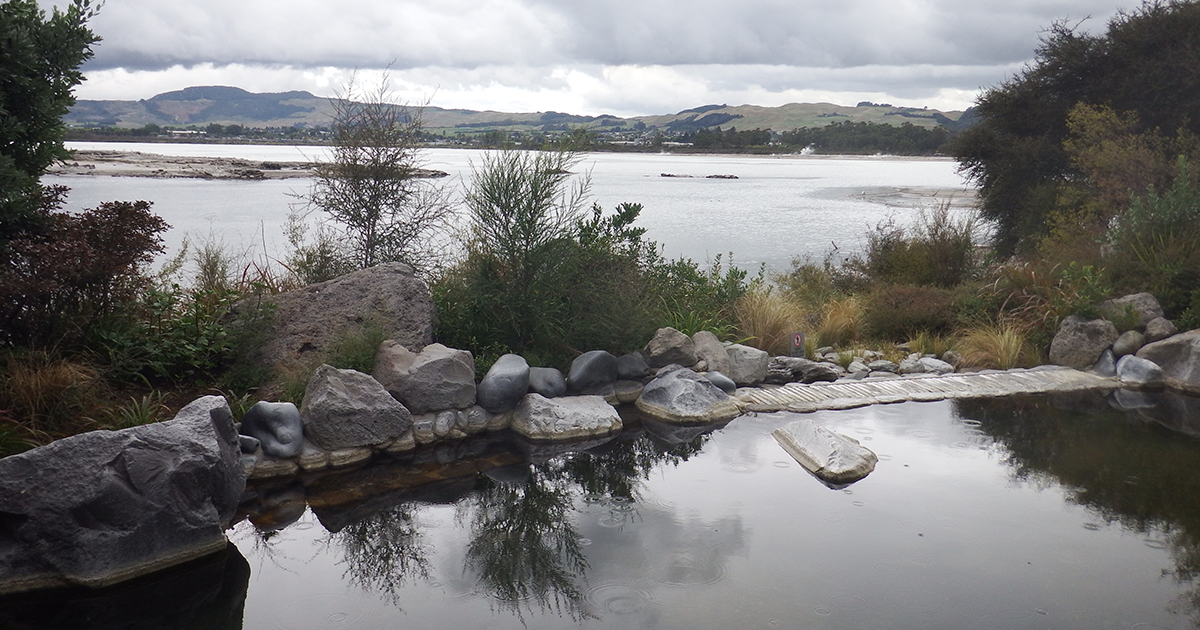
x,y
1019,513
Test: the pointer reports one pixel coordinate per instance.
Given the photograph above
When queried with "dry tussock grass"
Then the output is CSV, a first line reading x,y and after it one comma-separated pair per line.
x,y
768,320
997,346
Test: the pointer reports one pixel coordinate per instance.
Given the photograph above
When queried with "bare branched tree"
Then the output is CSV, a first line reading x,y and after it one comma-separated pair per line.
x,y
375,189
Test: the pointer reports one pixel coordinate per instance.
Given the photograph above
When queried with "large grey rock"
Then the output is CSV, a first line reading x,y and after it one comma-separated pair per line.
x,y
1143,306
1129,342
924,365
683,396
505,384
710,350
670,346
831,457
1160,328
1179,358
102,507
434,379
883,365
1079,342
570,418
785,369
348,409
307,321
592,369
1106,365
548,382
818,372
1139,373
747,366
632,367
277,426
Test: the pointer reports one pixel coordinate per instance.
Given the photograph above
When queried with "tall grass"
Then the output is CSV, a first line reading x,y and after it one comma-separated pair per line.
x,y
998,346
841,323
767,320
50,397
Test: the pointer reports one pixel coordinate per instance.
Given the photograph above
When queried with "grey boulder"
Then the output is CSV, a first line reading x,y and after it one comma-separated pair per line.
x,y
1106,365
747,366
1160,328
102,507
1139,373
434,379
720,380
684,397
548,382
505,384
592,369
1179,358
278,427
1079,342
348,409
1143,306
710,350
1129,342
831,457
540,418
670,346
632,367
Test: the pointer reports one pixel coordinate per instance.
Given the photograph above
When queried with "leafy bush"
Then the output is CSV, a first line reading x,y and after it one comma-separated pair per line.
x,y
899,312
1037,296
1156,244
56,283
937,250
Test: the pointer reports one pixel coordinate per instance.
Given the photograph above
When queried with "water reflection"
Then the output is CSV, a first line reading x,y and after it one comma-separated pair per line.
x,y
1126,466
384,551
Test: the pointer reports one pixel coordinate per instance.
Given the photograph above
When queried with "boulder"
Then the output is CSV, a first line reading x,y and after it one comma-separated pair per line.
x,y
307,321
434,379
505,384
1142,306
592,369
1079,342
710,350
747,366
1160,328
831,457
1129,342
348,409
102,507
720,380
684,397
785,369
883,365
632,367
548,382
1179,358
925,365
820,372
570,418
277,426
1106,365
670,346
1139,373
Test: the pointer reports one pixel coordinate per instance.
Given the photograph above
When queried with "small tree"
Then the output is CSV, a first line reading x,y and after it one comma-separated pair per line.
x,y
375,188
39,65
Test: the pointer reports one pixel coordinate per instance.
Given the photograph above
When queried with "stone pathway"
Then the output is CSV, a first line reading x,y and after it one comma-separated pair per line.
x,y
988,384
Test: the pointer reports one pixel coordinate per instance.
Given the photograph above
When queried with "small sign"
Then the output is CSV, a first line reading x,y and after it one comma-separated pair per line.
x,y
798,344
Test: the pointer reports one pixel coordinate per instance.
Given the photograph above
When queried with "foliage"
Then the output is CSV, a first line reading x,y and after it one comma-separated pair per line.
x,y
1156,244
45,397
39,65
1037,296
847,137
57,284
897,312
356,348
843,321
149,408
325,258
374,188
731,139
1001,347
767,320
937,250
1142,65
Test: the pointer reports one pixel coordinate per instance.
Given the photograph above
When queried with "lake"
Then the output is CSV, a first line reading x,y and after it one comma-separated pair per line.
x,y
1006,514
779,207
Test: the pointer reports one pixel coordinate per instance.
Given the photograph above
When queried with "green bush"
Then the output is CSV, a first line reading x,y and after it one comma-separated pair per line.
x,y
937,250
899,312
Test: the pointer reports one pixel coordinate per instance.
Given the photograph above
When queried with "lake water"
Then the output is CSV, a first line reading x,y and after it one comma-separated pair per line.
x,y
1024,513
779,207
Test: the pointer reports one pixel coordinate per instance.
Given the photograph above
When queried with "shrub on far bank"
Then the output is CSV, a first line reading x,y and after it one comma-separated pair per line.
x,y
937,250
900,312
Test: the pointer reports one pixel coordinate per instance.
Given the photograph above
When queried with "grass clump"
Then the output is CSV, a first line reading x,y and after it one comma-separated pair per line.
x,y
767,320
997,346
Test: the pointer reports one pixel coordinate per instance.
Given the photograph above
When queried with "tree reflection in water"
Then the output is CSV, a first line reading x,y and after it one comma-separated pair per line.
x,y
1127,470
383,551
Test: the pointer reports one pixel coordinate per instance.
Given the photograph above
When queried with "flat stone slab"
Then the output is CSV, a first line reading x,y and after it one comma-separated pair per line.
x,y
802,398
831,457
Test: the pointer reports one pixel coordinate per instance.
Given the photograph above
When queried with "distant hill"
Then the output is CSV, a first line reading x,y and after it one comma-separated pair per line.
x,y
202,106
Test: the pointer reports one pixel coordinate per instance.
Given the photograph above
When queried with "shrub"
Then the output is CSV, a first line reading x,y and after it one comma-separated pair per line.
x,y
937,250
898,312
841,322
1002,347
1038,296
767,320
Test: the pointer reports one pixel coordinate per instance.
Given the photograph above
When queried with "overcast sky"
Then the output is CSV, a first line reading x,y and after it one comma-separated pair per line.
x,y
622,57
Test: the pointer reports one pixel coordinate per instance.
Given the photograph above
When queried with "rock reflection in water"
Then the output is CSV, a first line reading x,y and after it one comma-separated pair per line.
x,y
1106,460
